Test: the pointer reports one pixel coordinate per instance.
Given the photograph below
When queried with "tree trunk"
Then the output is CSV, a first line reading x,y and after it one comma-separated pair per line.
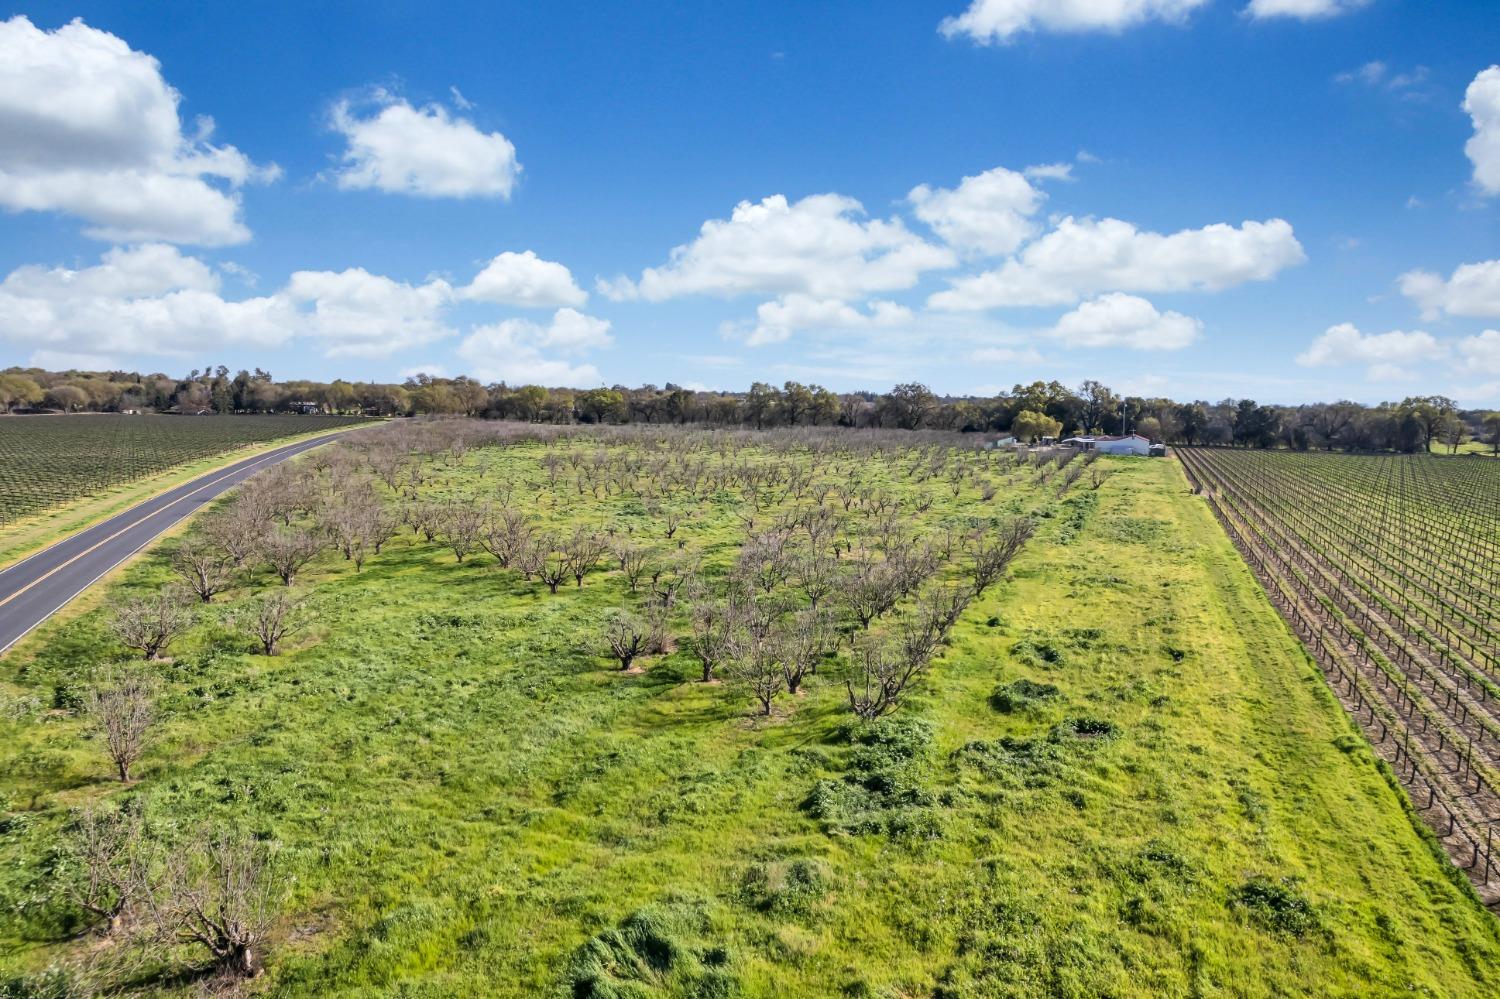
x,y
241,960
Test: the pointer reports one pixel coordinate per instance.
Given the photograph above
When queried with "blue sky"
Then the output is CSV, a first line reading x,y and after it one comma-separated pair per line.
x,y
1283,199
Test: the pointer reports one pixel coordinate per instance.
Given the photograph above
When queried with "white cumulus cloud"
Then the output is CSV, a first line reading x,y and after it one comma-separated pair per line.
x,y
1482,102
990,21
147,300
90,128
1302,10
992,213
1385,355
525,280
1472,290
1087,256
359,314
1481,353
1119,320
423,151
511,351
778,319
820,246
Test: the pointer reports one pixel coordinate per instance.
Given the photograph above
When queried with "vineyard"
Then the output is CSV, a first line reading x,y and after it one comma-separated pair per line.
x,y
46,461
1388,568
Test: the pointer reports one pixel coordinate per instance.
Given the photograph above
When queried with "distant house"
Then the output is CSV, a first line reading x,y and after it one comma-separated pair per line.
x,y
1001,442
1081,443
304,407
1130,444
1158,450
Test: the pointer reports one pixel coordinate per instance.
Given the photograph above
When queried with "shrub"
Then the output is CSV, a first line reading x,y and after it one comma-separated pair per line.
x,y
1037,654
792,886
1018,695
883,790
654,951
1084,728
1275,905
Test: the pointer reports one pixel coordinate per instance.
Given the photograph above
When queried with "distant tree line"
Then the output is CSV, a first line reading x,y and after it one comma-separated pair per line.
x,y
1029,412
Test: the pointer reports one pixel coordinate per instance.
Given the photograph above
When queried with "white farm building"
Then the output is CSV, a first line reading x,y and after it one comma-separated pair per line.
x,y
1131,444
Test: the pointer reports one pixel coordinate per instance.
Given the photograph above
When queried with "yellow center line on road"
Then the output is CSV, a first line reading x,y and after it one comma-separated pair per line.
x,y
94,547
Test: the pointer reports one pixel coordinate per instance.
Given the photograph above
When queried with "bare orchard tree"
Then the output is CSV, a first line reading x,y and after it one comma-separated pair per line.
x,y
759,668
634,561
461,526
150,624
549,564
882,675
993,548
506,535
286,552
355,524
817,577
765,560
940,608
718,632
871,588
99,868
206,568
271,618
121,707
237,531
627,637
219,892
806,640
584,550
666,581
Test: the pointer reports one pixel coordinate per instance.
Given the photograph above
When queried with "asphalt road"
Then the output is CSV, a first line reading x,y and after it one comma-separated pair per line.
x,y
39,586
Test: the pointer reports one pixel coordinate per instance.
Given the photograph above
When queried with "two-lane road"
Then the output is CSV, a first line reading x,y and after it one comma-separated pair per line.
x,y
39,586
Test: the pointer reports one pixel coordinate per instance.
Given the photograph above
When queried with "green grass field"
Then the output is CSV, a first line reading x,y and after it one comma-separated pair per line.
x,y
472,801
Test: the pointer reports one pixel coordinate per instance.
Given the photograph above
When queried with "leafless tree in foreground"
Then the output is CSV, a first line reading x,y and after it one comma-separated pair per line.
x,y
759,667
805,640
288,551
583,552
237,531
272,618
634,561
461,526
100,868
992,549
627,637
717,632
547,563
871,589
220,892
207,569
667,581
121,708
881,676
507,534
817,576
150,624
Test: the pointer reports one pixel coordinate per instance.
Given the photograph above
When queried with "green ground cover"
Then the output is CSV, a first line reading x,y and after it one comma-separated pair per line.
x,y
1122,777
